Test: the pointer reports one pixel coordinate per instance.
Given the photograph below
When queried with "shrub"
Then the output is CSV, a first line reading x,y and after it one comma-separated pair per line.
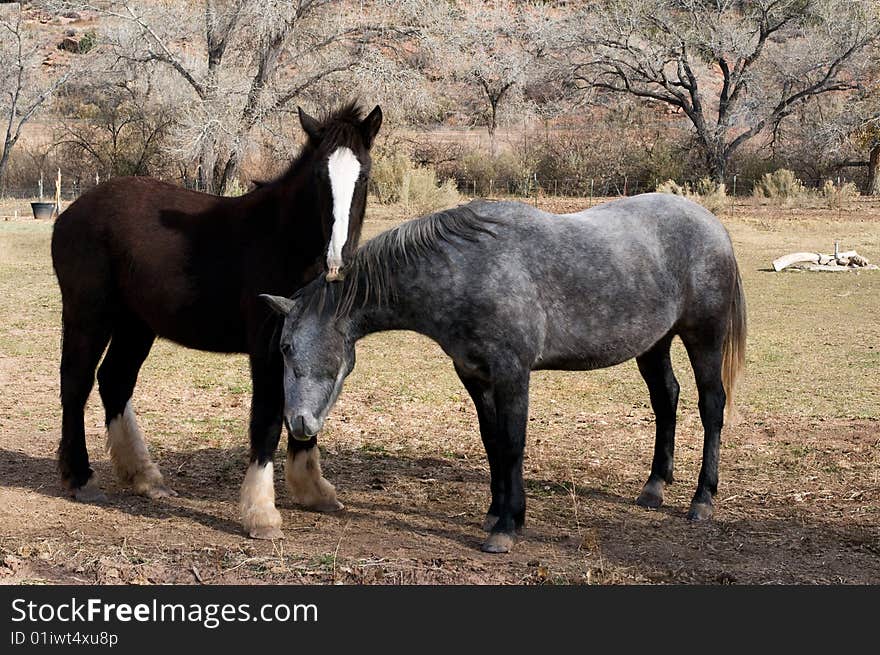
x,y
395,179
835,196
235,188
673,187
707,192
87,42
780,185
481,174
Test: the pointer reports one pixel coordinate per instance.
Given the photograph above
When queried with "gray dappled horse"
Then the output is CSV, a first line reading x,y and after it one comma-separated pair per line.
x,y
506,289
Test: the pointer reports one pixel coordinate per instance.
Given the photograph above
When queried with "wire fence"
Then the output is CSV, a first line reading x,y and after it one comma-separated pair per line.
x,y
524,187
608,186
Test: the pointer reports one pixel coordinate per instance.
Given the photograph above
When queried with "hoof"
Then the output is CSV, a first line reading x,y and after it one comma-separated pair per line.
x,y
498,542
700,512
489,522
268,532
155,492
90,492
652,495
324,505
649,500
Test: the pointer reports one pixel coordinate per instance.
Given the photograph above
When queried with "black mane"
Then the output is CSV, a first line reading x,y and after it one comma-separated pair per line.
x,y
369,277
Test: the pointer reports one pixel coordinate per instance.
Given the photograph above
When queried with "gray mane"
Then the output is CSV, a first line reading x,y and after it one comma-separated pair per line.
x,y
370,274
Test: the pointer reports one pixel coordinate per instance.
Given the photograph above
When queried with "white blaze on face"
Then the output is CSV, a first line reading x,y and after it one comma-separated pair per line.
x,y
344,169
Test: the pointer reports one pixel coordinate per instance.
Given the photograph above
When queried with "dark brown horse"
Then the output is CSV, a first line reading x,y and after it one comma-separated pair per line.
x,y
137,258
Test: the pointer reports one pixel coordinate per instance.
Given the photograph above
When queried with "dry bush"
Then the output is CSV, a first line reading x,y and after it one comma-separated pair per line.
x,y
27,161
837,196
781,185
396,180
707,192
481,174
235,188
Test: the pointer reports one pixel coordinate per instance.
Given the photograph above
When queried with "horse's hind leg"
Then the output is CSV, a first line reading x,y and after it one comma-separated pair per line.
x,y
705,352
117,376
656,368
482,395
81,348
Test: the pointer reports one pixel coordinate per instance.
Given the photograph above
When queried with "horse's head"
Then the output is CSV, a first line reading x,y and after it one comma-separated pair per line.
x,y
318,355
341,167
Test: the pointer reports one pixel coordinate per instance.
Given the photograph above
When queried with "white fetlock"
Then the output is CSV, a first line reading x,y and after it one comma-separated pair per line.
x,y
131,459
307,485
259,516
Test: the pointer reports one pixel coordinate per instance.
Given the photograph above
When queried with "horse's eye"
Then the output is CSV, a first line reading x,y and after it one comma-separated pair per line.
x,y
286,349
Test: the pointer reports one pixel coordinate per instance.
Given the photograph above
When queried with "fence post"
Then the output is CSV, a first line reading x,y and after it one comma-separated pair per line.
x,y
58,194
591,191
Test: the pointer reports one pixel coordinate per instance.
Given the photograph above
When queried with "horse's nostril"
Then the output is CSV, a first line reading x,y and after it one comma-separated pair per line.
x,y
296,426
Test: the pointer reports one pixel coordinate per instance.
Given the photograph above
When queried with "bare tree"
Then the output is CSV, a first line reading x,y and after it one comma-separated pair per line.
x,y
249,61
116,123
840,131
872,137
490,51
733,67
23,90
865,135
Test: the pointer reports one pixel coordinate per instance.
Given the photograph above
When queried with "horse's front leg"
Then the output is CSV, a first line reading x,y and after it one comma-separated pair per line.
x,y
512,411
306,483
259,516
483,397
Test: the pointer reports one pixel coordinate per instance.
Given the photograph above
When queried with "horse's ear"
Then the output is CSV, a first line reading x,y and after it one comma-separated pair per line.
x,y
280,304
370,125
310,125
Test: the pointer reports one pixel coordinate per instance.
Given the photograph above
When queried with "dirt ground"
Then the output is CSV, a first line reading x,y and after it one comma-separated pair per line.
x,y
799,500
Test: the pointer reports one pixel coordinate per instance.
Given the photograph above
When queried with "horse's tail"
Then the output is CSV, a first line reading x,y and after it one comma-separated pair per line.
x,y
734,354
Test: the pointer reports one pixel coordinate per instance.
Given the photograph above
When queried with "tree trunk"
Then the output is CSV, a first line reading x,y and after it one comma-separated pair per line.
x,y
874,170
4,160
229,171
493,125
716,161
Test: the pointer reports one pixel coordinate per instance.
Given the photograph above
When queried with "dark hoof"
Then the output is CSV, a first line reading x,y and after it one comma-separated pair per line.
x,y
498,542
266,533
652,494
700,512
489,522
649,500
90,493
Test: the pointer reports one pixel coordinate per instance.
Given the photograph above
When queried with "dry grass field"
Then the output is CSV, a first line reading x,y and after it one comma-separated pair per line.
x,y
799,500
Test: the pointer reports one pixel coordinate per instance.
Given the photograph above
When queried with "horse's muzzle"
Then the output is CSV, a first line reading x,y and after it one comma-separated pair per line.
x,y
299,428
